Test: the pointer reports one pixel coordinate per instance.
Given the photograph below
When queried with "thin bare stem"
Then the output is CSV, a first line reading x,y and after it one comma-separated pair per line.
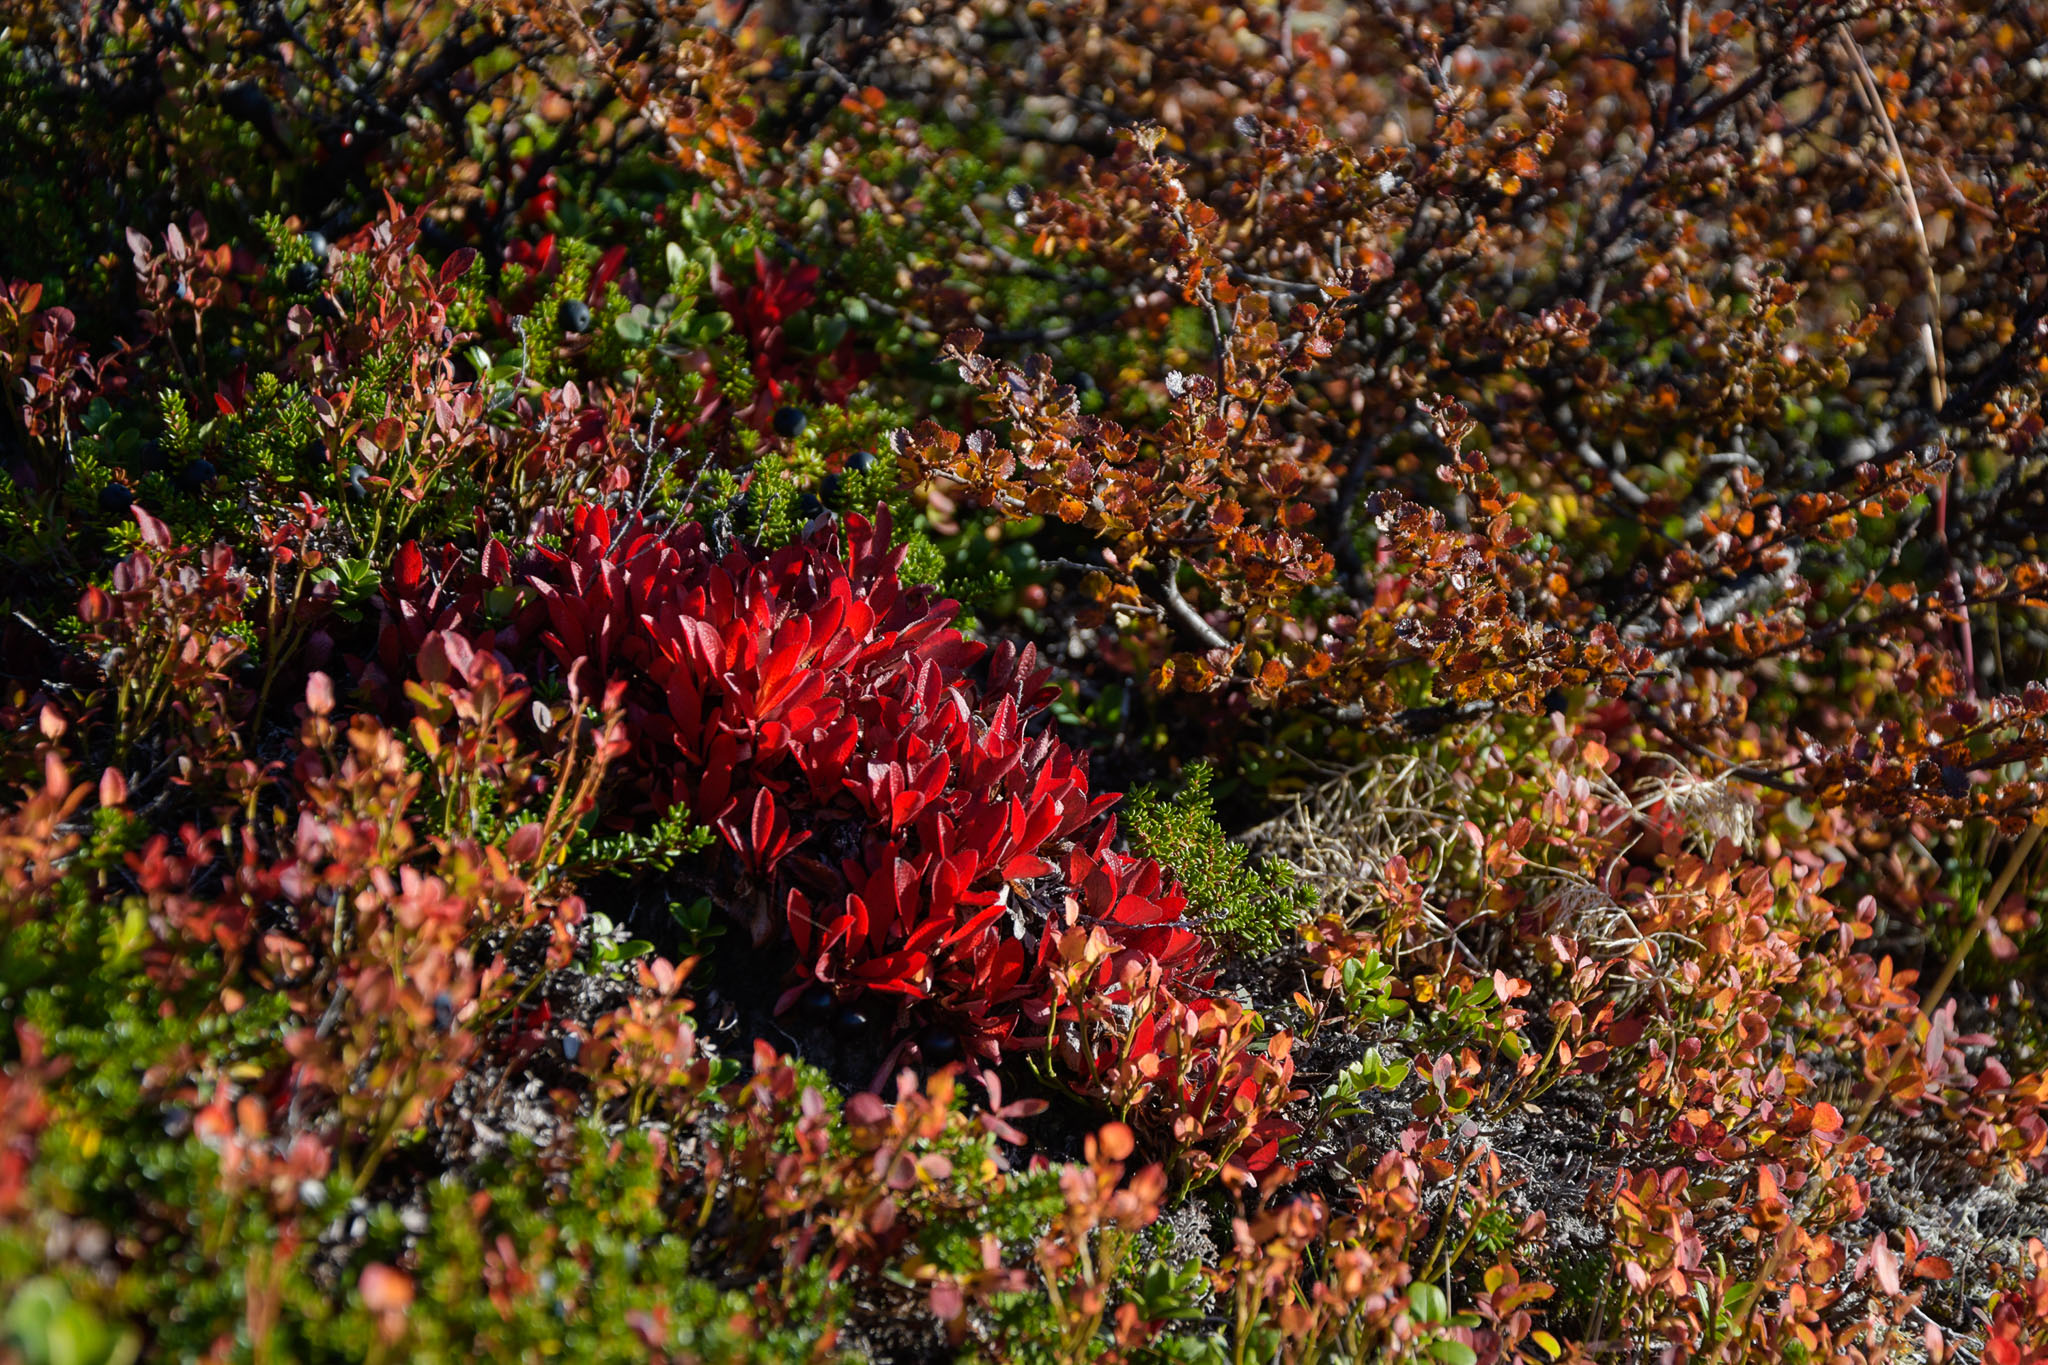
x,y
1185,614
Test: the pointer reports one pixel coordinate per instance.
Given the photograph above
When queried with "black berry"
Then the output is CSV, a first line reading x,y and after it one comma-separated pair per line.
x,y
246,102
115,498
809,505
301,278
862,461
790,422
818,1000
149,457
197,475
850,1020
573,315
316,243
940,1045
329,306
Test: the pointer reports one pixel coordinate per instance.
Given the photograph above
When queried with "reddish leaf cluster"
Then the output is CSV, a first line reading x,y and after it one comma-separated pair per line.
x,y
759,312
49,375
873,774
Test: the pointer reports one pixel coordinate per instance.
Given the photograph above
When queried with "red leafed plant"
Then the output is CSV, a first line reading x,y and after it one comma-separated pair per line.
x,y
759,312
874,776
2017,1333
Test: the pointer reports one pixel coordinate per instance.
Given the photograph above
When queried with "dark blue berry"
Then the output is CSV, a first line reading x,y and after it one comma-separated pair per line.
x,y
940,1045
862,461
850,1020
197,475
809,505
444,1011
329,306
246,102
301,278
790,423
572,1047
149,457
316,242
573,315
819,1000
116,499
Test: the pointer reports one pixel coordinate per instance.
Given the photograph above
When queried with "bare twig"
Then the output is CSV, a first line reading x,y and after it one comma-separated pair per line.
x,y
1186,614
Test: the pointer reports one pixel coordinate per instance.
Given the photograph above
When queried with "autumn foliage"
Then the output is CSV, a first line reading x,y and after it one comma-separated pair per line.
x,y
1044,682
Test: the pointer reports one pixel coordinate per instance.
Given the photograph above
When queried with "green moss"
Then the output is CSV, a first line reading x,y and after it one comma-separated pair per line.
x,y
1252,908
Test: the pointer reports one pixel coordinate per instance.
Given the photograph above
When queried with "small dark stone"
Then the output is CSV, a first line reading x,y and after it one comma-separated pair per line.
x,y
790,422
862,461
1018,198
357,490
572,1047
818,1000
573,315
197,475
850,1020
301,278
940,1045
116,499
1247,127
